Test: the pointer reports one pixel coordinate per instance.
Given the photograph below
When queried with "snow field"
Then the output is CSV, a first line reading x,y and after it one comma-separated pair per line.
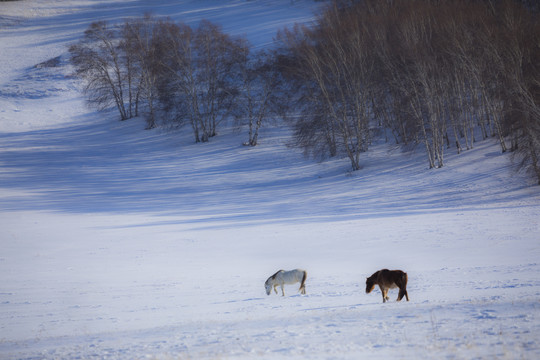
x,y
190,295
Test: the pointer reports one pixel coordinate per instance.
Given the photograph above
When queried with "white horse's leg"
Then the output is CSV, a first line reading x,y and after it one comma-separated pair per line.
x,y
275,287
282,289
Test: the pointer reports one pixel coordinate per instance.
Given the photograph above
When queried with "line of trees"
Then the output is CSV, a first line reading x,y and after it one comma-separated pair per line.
x,y
433,73
438,74
175,75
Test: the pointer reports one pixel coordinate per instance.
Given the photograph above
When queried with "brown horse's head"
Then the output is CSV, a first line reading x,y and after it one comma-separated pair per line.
x,y
370,284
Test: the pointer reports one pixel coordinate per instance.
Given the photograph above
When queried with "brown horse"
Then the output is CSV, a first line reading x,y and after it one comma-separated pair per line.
x,y
388,279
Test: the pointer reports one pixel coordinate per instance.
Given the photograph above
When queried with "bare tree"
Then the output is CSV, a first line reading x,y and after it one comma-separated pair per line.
x,y
201,75
335,67
178,85
105,67
217,59
259,98
143,41
518,48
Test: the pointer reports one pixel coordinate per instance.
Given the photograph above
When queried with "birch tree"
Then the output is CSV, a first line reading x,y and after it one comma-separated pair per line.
x,y
142,41
259,99
217,59
106,70
334,63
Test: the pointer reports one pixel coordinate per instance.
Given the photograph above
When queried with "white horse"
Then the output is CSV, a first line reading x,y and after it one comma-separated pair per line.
x,y
283,277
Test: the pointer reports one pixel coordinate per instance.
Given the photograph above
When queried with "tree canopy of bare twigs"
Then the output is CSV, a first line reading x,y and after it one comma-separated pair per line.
x,y
438,74
106,68
336,78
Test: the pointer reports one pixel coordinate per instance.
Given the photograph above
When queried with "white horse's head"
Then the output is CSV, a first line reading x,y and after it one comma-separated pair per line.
x,y
268,286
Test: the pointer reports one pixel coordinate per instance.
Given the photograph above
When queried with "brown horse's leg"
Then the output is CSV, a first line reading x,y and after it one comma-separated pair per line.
x,y
383,292
403,292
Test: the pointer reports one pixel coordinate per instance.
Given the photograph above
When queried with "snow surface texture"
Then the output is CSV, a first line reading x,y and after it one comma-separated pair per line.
x,y
121,243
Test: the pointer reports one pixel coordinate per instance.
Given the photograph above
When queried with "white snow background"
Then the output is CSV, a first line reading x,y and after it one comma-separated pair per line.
x,y
121,243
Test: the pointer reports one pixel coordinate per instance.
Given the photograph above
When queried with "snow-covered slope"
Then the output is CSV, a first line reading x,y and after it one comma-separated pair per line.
x,y
128,244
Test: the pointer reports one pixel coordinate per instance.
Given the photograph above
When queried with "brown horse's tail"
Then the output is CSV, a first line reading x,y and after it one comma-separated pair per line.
x,y
303,283
403,287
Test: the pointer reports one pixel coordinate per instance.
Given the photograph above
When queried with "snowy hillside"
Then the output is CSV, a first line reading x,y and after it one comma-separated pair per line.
x,y
122,243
